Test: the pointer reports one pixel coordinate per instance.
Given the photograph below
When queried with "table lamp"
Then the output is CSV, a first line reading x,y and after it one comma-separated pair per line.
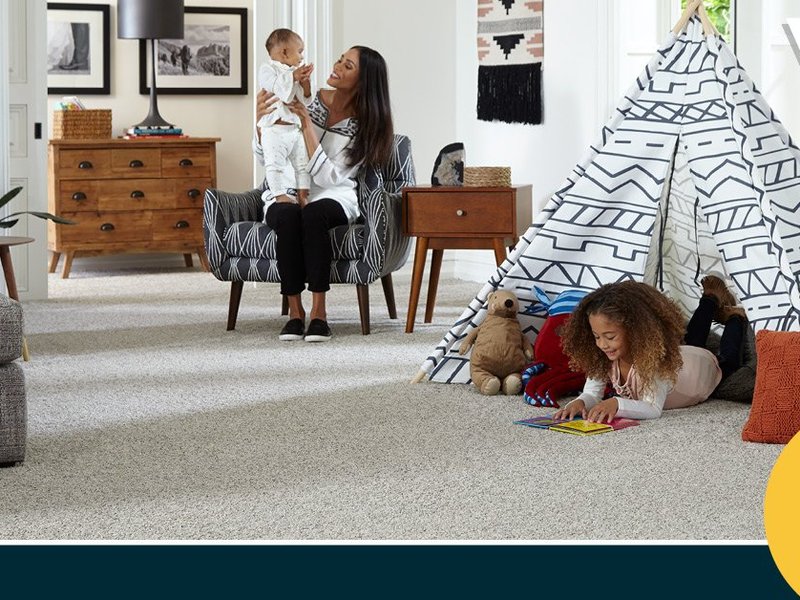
x,y
150,20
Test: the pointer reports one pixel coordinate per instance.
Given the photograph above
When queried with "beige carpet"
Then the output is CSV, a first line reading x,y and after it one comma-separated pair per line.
x,y
147,420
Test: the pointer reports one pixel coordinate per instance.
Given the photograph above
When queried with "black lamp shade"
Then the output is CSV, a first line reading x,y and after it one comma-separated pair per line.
x,y
150,19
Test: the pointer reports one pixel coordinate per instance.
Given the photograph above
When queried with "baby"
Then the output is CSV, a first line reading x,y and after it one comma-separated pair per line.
x,y
281,138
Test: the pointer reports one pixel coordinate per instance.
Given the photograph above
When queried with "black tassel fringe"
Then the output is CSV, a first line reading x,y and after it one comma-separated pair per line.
x,y
510,93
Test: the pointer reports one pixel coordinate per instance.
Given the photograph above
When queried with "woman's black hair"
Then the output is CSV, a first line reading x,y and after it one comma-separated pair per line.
x,y
375,136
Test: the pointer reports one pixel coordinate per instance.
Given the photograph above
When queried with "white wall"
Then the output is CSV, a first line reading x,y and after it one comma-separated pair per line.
x,y
226,117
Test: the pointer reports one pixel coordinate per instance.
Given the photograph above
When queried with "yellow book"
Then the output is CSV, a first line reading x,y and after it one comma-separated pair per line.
x,y
581,427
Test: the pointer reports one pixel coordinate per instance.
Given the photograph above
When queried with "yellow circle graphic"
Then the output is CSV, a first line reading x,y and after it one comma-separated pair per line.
x,y
782,513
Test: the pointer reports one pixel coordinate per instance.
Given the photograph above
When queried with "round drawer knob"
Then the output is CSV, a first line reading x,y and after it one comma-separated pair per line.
x,y
78,196
85,164
181,225
460,213
185,162
193,193
107,227
137,194
136,164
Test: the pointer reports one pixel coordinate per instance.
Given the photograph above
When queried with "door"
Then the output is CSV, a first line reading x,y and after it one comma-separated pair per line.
x,y
25,104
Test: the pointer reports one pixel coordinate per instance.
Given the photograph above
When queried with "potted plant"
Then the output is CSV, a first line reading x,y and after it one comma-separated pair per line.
x,y
8,221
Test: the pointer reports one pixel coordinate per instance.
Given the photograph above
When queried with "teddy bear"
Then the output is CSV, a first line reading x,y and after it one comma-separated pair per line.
x,y
499,348
549,377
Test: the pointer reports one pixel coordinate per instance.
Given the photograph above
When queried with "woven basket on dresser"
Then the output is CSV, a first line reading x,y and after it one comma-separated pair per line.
x,y
487,176
81,124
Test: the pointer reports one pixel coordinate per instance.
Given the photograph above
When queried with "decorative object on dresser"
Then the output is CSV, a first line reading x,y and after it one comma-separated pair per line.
x,y
448,169
487,176
150,20
449,217
129,196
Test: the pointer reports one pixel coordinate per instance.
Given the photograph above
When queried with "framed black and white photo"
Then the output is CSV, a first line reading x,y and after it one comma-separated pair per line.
x,y
210,59
78,60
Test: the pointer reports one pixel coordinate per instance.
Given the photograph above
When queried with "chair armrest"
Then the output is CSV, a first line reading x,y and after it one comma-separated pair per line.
x,y
10,329
220,210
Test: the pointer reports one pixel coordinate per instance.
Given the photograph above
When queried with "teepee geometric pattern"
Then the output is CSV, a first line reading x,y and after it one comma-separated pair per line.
x,y
693,172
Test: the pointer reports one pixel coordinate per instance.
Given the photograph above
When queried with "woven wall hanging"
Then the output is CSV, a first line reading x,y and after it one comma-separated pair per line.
x,y
510,55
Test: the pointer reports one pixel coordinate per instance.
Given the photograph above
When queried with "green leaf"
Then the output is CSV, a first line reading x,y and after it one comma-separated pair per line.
x,y
52,217
8,224
9,196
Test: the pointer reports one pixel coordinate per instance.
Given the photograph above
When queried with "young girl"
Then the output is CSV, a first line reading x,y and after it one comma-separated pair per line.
x,y
630,334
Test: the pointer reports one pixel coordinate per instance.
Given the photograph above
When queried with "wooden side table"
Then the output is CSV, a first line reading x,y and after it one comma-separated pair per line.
x,y
445,218
8,272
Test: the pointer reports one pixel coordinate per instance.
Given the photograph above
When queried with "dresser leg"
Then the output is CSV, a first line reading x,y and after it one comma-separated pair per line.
x,y
187,259
68,256
433,284
420,254
54,258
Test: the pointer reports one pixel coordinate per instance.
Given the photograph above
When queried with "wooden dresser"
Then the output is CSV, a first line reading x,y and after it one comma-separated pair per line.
x,y
143,195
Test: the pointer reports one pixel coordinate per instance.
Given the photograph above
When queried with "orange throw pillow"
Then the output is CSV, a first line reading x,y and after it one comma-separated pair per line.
x,y
775,414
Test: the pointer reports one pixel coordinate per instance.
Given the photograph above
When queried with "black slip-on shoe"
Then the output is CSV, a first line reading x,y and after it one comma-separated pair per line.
x,y
318,331
292,331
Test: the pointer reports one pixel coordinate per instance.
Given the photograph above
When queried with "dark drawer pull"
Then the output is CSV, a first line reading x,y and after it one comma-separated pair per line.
x,y
181,225
136,164
107,227
185,162
137,194
85,164
193,193
78,196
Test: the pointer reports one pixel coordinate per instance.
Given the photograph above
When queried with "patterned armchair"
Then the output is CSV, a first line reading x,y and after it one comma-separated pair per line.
x,y
240,247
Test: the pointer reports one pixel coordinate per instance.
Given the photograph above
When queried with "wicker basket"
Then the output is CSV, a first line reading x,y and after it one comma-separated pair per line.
x,y
81,124
487,176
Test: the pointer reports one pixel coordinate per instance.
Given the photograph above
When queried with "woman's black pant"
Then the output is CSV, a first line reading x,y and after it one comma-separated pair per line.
x,y
730,344
303,244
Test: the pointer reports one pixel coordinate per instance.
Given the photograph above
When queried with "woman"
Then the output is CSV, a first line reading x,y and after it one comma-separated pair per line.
x,y
344,128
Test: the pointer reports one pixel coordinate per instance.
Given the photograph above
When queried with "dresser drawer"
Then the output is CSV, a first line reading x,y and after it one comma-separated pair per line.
x,y
194,161
136,162
76,194
189,192
108,227
90,163
480,214
178,225
135,194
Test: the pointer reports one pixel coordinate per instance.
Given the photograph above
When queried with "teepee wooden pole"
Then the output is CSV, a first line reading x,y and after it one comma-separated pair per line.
x,y
690,9
708,26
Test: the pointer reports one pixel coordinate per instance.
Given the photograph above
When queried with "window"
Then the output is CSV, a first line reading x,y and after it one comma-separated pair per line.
x,y
722,15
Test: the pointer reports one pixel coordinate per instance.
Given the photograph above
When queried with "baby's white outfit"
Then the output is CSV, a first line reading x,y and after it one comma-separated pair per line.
x,y
285,155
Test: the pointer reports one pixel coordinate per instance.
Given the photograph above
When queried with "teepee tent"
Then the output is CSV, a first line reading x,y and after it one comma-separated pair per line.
x,y
692,173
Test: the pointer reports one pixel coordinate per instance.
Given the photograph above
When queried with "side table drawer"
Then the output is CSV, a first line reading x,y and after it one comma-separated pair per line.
x,y
490,213
108,227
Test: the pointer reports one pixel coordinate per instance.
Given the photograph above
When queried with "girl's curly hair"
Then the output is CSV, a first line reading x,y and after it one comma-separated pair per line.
x,y
654,327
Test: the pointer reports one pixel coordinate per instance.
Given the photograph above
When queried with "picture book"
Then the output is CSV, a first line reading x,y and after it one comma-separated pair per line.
x,y
577,426
541,422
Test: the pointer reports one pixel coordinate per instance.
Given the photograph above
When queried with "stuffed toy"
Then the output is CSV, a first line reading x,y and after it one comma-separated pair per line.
x,y
549,377
499,348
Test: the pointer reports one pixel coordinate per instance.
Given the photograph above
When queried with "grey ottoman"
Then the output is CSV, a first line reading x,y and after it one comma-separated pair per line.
x,y
13,410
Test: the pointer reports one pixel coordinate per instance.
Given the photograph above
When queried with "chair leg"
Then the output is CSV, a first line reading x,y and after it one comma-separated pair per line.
x,y
388,292
363,307
233,305
284,305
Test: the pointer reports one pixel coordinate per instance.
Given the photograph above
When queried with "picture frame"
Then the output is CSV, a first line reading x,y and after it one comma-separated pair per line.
x,y
216,39
78,48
